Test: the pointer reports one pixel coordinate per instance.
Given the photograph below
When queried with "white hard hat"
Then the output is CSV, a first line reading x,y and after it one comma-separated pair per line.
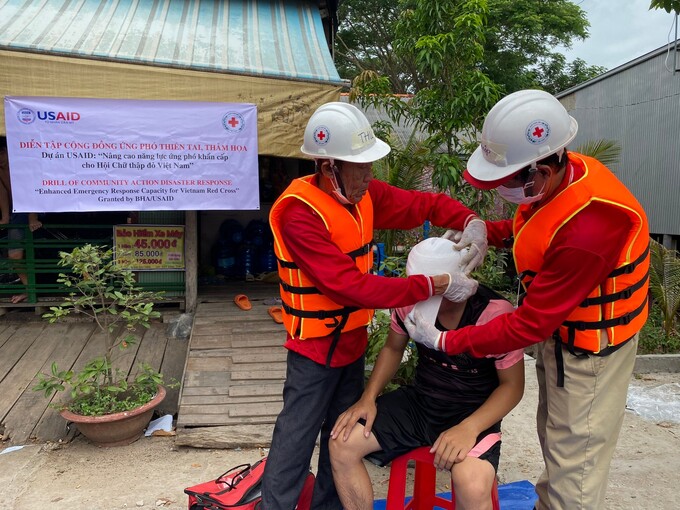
x,y
522,128
341,131
431,257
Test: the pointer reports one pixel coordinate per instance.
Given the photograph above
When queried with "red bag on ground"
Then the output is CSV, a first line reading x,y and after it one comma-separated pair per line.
x,y
240,488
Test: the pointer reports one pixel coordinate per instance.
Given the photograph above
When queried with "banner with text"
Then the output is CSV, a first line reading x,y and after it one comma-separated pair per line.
x,y
146,247
71,155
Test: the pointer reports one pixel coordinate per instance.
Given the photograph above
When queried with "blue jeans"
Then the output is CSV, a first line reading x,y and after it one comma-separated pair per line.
x,y
313,398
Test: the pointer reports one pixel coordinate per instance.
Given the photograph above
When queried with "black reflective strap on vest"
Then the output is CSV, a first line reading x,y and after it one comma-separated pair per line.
x,y
313,290
343,313
320,314
610,298
299,290
526,272
629,268
559,358
607,323
354,254
336,338
573,326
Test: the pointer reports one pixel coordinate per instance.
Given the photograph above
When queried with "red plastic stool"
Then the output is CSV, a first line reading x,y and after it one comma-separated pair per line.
x,y
424,495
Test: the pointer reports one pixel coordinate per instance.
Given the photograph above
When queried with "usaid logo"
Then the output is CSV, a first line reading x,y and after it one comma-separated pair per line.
x,y
233,122
58,117
26,116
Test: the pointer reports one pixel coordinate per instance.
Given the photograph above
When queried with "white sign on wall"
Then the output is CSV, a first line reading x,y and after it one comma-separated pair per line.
x,y
71,155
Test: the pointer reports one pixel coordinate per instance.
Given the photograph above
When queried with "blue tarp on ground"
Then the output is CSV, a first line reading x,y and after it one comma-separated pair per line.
x,y
512,496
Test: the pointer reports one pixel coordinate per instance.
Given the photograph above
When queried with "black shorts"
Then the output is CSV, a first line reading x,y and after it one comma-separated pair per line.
x,y
407,420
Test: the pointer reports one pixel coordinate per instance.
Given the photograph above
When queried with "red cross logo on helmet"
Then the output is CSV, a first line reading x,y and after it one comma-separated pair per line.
x,y
322,135
538,131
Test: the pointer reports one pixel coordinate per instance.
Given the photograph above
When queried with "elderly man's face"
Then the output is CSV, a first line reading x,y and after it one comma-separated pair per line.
x,y
355,178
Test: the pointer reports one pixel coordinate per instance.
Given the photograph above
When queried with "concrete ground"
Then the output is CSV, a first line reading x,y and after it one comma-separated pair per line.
x,y
153,472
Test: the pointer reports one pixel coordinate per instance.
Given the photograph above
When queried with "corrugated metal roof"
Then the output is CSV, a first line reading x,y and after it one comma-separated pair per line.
x,y
670,48
274,38
638,106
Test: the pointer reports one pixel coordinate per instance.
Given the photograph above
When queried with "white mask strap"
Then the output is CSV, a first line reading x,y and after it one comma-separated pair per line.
x,y
337,190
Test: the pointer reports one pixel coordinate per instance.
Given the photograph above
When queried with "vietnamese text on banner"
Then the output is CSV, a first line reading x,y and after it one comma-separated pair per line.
x,y
70,155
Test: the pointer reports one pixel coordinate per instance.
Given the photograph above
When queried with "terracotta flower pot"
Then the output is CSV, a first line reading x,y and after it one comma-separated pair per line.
x,y
116,429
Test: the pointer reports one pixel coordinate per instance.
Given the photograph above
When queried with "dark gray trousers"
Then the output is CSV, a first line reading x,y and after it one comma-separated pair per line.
x,y
313,397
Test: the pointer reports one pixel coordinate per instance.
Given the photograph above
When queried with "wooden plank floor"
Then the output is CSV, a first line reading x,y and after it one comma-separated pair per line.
x,y
29,344
234,373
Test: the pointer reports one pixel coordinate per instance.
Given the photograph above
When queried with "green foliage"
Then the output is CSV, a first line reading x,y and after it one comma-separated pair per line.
x,y
364,39
667,5
494,272
607,152
518,41
395,265
653,337
106,293
444,41
664,284
377,335
521,38
556,75
404,167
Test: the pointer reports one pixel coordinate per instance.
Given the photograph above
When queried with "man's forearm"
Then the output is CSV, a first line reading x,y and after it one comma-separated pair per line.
x,y
385,367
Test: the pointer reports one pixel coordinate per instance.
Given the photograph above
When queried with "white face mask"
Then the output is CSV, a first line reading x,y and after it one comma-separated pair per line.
x,y
517,195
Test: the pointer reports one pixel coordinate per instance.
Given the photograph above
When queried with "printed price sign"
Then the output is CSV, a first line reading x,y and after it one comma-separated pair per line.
x,y
149,247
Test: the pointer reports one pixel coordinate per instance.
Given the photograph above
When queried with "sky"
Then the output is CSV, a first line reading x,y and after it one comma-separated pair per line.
x,y
621,31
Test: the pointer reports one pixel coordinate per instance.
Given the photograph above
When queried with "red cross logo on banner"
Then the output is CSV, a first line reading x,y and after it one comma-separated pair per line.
x,y
538,131
322,135
233,122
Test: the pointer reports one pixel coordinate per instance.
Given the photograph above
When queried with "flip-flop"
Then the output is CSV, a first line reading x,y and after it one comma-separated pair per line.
x,y
242,302
275,313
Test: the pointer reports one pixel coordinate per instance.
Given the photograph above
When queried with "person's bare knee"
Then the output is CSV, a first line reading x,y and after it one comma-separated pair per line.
x,y
472,481
351,452
349,472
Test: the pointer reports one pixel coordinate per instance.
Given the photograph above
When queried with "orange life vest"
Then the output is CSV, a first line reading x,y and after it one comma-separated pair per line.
x,y
306,312
619,304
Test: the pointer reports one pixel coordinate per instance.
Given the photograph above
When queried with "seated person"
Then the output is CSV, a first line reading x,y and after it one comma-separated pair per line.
x,y
455,404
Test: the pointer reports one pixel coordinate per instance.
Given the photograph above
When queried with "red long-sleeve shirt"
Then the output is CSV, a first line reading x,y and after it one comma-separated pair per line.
x,y
336,275
579,258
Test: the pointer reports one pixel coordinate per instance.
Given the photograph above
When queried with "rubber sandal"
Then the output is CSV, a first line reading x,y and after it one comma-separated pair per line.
x,y
275,313
242,302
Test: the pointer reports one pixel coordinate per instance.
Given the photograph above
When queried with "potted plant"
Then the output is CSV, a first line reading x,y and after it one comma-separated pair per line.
x,y
106,407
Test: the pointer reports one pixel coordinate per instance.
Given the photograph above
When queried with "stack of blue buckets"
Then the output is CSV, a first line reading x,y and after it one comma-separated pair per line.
x,y
243,253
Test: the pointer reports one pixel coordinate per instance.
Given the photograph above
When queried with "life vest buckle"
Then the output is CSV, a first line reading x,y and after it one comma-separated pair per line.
x,y
332,325
627,293
625,319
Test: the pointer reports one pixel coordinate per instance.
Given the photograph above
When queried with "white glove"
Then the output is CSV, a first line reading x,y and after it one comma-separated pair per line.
x,y
474,237
453,235
423,332
460,288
